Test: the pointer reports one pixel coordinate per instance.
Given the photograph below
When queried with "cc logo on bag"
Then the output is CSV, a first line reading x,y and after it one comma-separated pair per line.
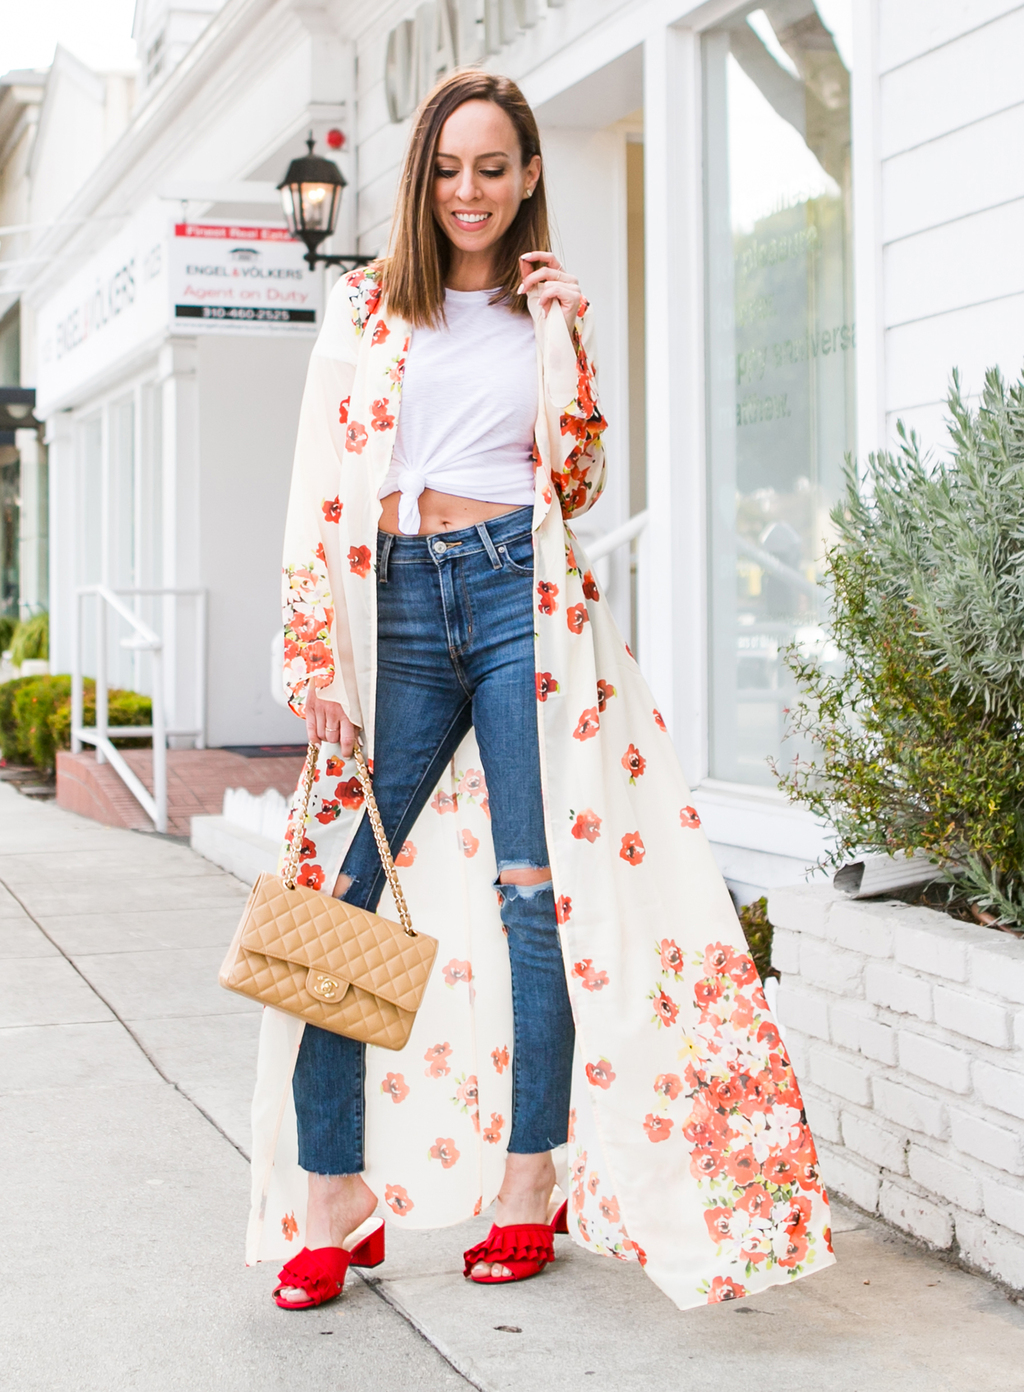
x,y
326,987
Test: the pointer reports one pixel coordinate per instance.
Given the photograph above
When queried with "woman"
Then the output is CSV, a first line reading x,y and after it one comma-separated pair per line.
x,y
436,601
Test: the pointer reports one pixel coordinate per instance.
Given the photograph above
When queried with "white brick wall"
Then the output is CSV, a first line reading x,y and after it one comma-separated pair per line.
x,y
907,1033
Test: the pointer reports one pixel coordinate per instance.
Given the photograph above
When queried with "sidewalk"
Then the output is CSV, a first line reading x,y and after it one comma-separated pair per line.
x,y
125,1075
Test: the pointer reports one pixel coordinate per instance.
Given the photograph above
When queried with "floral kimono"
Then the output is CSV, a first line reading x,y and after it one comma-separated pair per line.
x,y
688,1147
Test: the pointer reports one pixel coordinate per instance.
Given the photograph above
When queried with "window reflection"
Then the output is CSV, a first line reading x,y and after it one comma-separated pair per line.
x,y
780,353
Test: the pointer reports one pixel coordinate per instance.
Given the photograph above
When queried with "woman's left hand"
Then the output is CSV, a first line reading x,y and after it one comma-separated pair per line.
x,y
554,284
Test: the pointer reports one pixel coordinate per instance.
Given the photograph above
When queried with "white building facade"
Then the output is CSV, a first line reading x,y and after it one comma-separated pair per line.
x,y
792,218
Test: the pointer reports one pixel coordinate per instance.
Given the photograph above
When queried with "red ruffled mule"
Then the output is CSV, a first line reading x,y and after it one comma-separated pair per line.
x,y
524,1249
320,1271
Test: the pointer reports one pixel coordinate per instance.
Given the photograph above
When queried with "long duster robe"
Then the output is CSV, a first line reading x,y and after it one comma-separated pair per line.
x,y
689,1150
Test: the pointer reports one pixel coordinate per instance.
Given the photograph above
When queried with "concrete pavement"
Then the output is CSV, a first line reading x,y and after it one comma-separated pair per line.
x,y
125,1075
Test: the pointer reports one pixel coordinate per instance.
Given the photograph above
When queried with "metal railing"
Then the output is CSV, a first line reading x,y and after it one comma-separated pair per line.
x,y
143,639
618,536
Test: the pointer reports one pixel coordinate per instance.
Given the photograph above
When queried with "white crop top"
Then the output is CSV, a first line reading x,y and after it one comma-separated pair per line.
x,y
469,407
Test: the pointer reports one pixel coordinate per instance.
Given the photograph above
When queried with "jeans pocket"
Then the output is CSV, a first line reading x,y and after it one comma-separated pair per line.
x,y
517,556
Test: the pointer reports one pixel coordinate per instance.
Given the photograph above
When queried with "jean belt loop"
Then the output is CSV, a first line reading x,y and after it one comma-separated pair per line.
x,y
385,553
485,537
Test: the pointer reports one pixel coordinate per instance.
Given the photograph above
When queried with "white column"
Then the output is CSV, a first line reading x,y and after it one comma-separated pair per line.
x,y
179,384
63,536
865,118
673,588
32,577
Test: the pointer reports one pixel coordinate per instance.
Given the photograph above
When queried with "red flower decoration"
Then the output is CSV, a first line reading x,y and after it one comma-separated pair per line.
x,y
707,991
334,767
351,794
588,725
435,1057
395,1087
379,409
343,411
443,802
725,1288
499,1057
457,971
633,850
329,812
355,437
576,616
545,685
470,843
592,980
658,1128
359,561
669,1085
548,591
492,1133
563,908
317,656
380,332
665,1009
289,1227
688,819
406,855
444,1150
605,691
397,1200
600,1074
312,876
742,1167
657,714
634,763
741,969
590,586
332,509
671,956
609,1209
587,826
718,1220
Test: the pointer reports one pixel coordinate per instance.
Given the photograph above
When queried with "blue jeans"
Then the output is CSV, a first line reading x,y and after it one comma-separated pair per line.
x,y
454,651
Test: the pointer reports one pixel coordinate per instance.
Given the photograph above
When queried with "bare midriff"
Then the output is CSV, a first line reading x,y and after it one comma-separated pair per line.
x,y
442,512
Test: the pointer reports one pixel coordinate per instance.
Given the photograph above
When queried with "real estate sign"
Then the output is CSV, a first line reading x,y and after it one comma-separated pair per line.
x,y
251,278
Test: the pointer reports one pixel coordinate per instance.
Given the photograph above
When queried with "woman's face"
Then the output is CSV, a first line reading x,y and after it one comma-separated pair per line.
x,y
479,178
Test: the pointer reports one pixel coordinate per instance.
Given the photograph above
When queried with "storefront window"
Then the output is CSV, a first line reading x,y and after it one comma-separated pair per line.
x,y
779,353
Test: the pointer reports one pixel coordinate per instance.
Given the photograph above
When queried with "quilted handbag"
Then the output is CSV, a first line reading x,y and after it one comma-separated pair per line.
x,y
336,966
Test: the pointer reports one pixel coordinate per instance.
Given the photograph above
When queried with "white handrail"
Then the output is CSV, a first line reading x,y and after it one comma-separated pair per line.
x,y
618,536
144,640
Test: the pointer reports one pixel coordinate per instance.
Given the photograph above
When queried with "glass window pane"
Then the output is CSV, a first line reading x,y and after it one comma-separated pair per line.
x,y
780,352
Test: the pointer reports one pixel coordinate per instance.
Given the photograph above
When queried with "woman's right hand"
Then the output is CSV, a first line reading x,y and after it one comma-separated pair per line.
x,y
326,722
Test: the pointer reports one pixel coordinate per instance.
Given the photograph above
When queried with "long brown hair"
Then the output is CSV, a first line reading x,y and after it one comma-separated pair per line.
x,y
418,258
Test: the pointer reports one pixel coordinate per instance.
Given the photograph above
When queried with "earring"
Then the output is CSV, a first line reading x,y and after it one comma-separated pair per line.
x,y
529,193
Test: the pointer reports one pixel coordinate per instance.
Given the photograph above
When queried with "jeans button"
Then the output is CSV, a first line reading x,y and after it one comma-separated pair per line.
x,y
440,547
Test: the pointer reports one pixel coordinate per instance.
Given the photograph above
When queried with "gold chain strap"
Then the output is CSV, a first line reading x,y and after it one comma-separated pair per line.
x,y
290,869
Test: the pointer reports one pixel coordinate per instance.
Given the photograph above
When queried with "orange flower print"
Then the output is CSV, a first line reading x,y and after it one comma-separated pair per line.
x,y
547,590
381,419
590,586
725,1288
593,1183
669,1085
443,802
572,1125
609,1209
657,718
289,1227
406,855
592,980
578,1170
576,616
395,1087
588,725
334,767
355,437
317,656
478,1207
546,684
633,850
628,1245
457,971
380,333
492,1133
587,826
605,692
658,1128
468,1093
444,1150
634,763
563,908
600,1074
329,811
665,1009
470,843
472,783
311,876
359,560
499,1057
398,1200
435,1057
343,411
350,793
332,509
671,956
688,819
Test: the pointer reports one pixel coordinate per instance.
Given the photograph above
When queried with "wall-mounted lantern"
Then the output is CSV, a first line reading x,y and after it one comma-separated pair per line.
x,y
311,199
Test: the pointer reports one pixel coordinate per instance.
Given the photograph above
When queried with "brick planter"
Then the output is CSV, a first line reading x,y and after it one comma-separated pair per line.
x,y
906,1030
